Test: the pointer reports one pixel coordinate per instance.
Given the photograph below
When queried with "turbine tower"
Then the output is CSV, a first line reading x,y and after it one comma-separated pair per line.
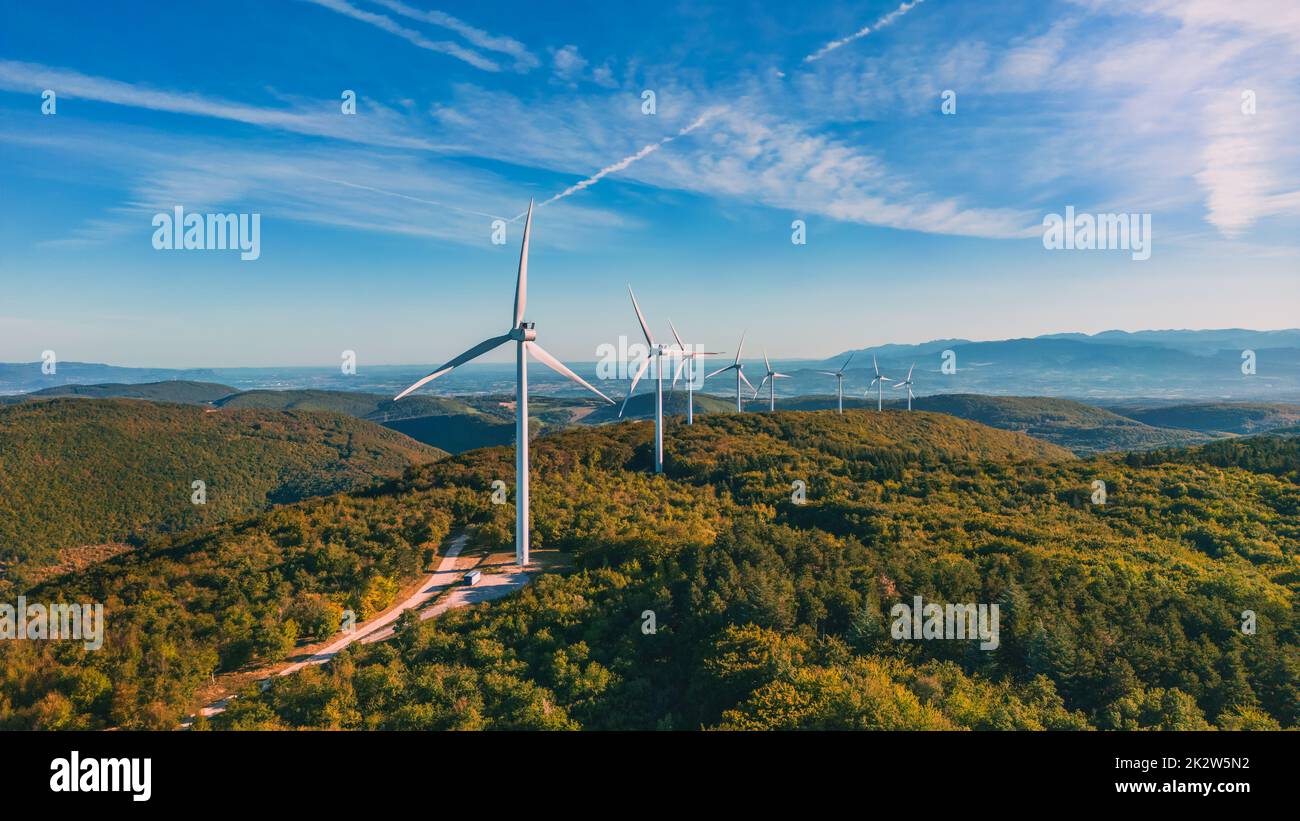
x,y
656,352
879,381
740,373
524,336
687,361
771,376
908,384
839,381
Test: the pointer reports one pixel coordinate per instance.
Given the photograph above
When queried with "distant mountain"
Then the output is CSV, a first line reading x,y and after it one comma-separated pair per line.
x,y
76,472
1200,343
182,391
24,377
1113,365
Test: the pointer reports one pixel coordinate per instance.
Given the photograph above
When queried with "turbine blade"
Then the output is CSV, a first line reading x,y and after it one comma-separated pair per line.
x,y
681,363
909,372
473,353
718,371
740,347
846,362
645,363
645,329
680,343
767,361
745,380
828,373
560,368
760,385
521,283
874,366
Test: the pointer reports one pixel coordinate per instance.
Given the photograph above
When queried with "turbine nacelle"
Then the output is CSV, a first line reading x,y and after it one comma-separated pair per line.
x,y
524,333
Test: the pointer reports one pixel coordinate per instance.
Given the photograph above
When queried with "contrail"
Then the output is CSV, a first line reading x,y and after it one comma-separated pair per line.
x,y
626,161
863,32
407,197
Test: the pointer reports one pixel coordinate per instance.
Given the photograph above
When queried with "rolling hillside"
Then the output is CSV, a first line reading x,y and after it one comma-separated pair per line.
x,y
182,391
642,406
1220,418
1075,425
76,472
772,611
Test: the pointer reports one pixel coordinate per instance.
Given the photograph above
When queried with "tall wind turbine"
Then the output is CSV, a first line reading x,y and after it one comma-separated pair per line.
x,y
771,376
908,384
740,373
688,359
524,335
656,352
839,381
879,381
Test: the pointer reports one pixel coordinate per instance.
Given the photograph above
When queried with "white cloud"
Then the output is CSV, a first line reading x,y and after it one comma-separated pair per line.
x,y
391,26
501,44
323,119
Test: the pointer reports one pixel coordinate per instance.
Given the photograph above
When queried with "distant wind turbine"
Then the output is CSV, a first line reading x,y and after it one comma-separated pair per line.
x,y
655,352
839,381
687,361
740,372
524,335
878,381
908,384
771,376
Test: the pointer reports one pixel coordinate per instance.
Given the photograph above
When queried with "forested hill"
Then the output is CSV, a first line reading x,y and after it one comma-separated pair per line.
x,y
178,390
771,611
77,472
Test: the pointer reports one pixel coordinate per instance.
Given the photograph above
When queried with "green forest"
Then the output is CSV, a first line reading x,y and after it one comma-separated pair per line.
x,y
770,611
77,472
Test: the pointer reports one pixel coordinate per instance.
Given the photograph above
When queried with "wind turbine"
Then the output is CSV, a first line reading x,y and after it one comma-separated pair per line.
x,y
656,352
740,372
839,381
524,335
688,361
770,376
908,383
879,381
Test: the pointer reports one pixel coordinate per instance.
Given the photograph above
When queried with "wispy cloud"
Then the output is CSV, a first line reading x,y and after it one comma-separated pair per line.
x,y
862,32
391,26
377,128
501,44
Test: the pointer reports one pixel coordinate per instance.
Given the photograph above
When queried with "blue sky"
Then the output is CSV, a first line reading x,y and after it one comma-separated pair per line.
x,y
376,227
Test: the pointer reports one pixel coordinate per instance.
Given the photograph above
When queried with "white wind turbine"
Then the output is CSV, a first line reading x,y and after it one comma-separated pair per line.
x,y
656,352
524,335
770,376
839,381
908,384
688,359
740,372
878,381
